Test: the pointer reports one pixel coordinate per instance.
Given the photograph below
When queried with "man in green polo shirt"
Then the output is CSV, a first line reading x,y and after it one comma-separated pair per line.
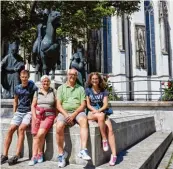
x,y
71,102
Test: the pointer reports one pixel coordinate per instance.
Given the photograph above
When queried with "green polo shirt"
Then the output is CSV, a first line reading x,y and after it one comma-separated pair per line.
x,y
71,97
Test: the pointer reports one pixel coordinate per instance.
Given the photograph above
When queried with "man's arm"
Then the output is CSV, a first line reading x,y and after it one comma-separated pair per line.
x,y
71,117
15,103
59,100
60,108
81,108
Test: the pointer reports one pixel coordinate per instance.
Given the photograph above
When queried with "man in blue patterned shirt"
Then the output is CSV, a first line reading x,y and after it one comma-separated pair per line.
x,y
22,116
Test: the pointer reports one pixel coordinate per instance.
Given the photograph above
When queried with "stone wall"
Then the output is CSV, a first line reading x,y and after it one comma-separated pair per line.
x,y
132,122
161,111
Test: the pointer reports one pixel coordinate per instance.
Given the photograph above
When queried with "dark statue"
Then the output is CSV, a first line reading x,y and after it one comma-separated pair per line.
x,y
47,46
11,65
41,31
77,62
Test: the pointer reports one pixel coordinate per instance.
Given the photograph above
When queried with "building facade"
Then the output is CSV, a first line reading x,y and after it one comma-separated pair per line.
x,y
136,51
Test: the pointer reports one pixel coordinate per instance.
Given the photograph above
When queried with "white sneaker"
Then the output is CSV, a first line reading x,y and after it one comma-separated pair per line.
x,y
105,145
84,154
112,160
62,160
33,161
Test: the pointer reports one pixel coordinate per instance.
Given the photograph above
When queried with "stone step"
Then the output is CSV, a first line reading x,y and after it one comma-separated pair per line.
x,y
167,157
144,155
128,131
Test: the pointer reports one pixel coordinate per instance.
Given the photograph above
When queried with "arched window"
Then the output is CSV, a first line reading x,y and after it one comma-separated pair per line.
x,y
164,27
150,37
140,46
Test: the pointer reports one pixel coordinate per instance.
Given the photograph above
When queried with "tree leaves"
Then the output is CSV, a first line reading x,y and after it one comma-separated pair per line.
x,y
19,18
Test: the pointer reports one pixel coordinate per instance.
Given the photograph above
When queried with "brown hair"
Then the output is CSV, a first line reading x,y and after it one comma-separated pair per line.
x,y
24,72
101,84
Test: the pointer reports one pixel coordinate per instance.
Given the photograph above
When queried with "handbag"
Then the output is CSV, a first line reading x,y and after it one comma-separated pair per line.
x,y
107,111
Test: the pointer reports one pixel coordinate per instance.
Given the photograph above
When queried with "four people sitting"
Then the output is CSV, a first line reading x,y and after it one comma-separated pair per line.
x,y
68,106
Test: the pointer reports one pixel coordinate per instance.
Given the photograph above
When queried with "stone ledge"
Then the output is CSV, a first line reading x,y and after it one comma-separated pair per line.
x,y
116,103
144,155
127,133
141,103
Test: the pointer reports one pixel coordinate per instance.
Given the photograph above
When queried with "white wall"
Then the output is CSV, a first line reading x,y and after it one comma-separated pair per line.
x,y
119,58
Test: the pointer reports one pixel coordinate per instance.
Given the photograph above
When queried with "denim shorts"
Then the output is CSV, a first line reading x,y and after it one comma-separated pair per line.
x,y
21,118
61,118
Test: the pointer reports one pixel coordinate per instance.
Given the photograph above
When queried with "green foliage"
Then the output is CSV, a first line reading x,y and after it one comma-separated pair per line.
x,y
14,18
168,91
112,94
19,19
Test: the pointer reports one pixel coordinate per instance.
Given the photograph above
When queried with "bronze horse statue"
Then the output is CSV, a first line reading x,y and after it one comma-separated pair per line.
x,y
48,47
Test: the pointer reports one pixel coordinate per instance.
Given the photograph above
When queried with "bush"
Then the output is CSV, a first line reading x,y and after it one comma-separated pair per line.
x,y
112,94
168,91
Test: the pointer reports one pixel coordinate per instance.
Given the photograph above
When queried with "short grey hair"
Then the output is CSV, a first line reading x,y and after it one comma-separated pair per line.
x,y
45,76
72,69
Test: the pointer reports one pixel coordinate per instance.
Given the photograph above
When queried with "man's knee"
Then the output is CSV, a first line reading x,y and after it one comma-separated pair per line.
x,y
83,122
22,129
60,127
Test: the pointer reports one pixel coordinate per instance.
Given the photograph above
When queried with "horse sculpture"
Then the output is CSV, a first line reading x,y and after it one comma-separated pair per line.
x,y
41,32
48,47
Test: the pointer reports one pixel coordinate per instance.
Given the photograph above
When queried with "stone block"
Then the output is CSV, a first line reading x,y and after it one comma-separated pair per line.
x,y
127,133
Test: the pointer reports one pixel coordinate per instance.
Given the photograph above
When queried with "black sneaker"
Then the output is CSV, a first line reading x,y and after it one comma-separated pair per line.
x,y
13,160
3,159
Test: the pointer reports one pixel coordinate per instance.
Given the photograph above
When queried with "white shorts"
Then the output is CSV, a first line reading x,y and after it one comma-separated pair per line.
x,y
21,118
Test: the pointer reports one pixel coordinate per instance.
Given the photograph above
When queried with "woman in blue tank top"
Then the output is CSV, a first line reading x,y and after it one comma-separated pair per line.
x,y
97,103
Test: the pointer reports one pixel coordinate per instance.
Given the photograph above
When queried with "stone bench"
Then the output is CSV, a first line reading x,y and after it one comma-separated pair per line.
x,y
128,131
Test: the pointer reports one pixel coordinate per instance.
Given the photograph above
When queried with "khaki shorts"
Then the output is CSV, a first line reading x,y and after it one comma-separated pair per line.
x,y
61,118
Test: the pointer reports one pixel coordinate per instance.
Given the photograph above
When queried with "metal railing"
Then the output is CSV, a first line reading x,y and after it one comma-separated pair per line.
x,y
139,90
